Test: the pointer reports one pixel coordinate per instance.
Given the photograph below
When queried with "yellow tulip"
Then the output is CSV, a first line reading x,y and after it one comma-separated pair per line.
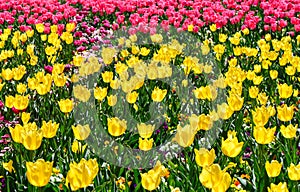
x,y
58,68
235,102
49,129
271,110
285,91
107,76
21,102
205,49
214,115
81,132
257,80
39,173
40,27
214,178
222,37
59,79
145,131
257,68
131,97
32,138
145,144
281,187
30,49
16,133
25,117
135,50
137,82
126,86
21,88
151,179
156,38
43,89
273,74
77,147
19,72
224,111
194,121
263,135
268,37
2,84
112,100
231,147
100,93
250,75
204,157
253,92
290,70
74,78
294,172
158,95
81,93
70,27
120,68
205,122
8,166
144,51
66,105
82,174
32,83
203,92
285,113
245,31
185,136
288,131
116,127
115,84
7,74
260,116
107,55
262,98
78,60
89,67
189,63
273,169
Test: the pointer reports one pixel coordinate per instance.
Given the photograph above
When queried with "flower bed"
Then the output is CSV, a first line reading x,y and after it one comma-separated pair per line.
x,y
149,95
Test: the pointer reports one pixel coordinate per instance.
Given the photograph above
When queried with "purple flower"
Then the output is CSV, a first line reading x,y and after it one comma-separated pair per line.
x,y
81,48
2,182
67,67
157,131
48,68
95,48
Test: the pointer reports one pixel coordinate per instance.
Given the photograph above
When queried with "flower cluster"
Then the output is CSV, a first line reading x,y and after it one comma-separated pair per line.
x,y
217,80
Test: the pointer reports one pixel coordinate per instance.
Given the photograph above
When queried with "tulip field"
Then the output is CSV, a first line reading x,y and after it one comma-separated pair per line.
x,y
152,95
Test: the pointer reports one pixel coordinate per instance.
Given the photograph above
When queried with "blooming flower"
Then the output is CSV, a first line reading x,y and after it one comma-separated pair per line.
x,y
294,172
8,166
66,105
214,178
158,95
82,174
116,127
204,157
152,178
231,147
39,172
273,169
285,113
81,132
282,187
